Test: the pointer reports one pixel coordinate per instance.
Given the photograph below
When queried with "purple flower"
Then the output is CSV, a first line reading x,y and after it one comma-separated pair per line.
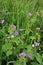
x,y
21,29
14,26
2,21
38,28
22,54
36,44
16,33
30,55
29,14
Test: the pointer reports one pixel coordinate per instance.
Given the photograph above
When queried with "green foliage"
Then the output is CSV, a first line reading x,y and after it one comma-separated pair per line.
x,y
7,48
16,12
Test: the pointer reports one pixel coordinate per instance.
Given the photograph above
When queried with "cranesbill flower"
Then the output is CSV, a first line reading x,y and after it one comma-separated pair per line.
x,y
38,28
22,54
30,55
14,26
36,44
2,21
16,33
29,14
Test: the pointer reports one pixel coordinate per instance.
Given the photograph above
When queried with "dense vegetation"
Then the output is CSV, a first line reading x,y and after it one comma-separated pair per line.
x,y
21,32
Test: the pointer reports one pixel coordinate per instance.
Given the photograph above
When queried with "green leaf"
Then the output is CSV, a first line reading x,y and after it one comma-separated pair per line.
x,y
34,63
15,40
29,49
11,30
39,58
33,20
32,37
9,52
7,46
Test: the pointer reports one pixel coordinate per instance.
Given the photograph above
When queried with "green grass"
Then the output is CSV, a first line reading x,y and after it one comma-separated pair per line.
x,y
15,12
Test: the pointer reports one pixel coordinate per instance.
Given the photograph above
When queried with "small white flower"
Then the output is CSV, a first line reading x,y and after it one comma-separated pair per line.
x,y
38,44
39,48
12,36
8,37
32,45
21,29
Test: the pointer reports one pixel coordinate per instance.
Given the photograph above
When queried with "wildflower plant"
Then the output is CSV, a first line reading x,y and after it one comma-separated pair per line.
x,y
21,32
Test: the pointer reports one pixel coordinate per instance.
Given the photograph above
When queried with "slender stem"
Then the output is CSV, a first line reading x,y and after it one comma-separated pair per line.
x,y
10,62
24,61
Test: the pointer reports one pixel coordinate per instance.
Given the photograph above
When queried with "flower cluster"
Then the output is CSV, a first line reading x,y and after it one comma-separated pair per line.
x,y
24,54
35,44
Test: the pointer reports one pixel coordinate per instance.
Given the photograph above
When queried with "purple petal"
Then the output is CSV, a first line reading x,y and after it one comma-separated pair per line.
x,y
30,55
29,14
14,26
36,43
2,21
16,33
22,54
38,28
